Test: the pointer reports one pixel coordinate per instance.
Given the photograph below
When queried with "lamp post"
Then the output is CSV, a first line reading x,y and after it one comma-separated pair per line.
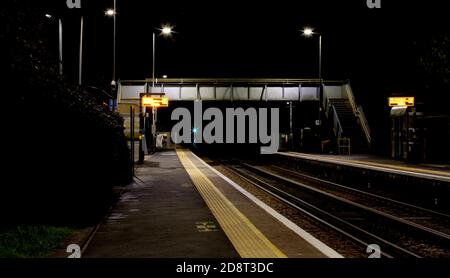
x,y
60,47
112,13
309,32
80,65
60,44
166,31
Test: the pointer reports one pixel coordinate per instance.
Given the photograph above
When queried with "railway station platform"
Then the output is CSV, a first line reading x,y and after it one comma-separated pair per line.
x,y
180,207
374,163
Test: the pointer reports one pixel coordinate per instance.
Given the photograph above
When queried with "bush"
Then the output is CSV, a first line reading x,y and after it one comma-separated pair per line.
x,y
64,150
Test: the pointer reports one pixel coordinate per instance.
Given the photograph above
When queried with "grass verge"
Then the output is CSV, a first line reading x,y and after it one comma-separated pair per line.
x,y
31,241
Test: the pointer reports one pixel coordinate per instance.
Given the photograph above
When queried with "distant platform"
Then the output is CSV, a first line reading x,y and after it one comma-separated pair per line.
x,y
433,172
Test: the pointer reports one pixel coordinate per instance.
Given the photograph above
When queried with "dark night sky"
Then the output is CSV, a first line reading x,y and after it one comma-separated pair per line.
x,y
252,39
373,48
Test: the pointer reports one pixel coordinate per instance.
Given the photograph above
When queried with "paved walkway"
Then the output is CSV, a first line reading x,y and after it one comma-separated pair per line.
x,y
180,207
161,215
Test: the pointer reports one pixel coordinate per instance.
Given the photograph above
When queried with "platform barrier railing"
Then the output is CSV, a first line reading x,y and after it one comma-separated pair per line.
x,y
358,111
337,126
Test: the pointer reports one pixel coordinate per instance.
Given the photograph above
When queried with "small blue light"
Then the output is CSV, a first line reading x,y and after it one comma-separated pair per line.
x,y
194,130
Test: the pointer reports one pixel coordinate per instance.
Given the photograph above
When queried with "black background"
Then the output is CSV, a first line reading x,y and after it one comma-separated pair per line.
x,y
282,268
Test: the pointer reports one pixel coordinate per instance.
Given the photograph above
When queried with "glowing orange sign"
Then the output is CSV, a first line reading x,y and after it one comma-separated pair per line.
x,y
155,102
401,101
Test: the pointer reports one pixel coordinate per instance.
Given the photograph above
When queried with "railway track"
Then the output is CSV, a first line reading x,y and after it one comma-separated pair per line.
x,y
400,229
429,219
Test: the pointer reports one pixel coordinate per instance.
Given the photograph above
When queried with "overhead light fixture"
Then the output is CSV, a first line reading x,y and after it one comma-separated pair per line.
x,y
110,12
308,32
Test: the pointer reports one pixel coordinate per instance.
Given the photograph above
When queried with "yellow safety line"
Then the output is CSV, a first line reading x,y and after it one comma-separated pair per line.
x,y
248,241
387,166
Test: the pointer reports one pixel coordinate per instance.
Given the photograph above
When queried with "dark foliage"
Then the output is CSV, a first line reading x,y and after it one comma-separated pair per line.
x,y
434,61
62,149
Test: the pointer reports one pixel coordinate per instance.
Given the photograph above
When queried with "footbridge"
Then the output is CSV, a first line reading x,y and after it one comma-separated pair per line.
x,y
341,114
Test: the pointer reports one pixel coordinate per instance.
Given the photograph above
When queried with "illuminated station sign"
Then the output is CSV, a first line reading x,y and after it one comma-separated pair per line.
x,y
401,101
155,102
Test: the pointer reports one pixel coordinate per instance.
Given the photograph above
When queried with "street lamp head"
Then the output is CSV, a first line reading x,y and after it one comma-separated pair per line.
x,y
49,16
308,32
166,31
110,12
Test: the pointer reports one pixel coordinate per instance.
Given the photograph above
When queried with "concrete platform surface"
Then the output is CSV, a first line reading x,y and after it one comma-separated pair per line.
x,y
180,207
161,215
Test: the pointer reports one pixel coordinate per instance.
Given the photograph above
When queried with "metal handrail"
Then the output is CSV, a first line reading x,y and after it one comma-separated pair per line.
x,y
337,126
253,81
325,103
364,124
349,93
358,112
327,109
